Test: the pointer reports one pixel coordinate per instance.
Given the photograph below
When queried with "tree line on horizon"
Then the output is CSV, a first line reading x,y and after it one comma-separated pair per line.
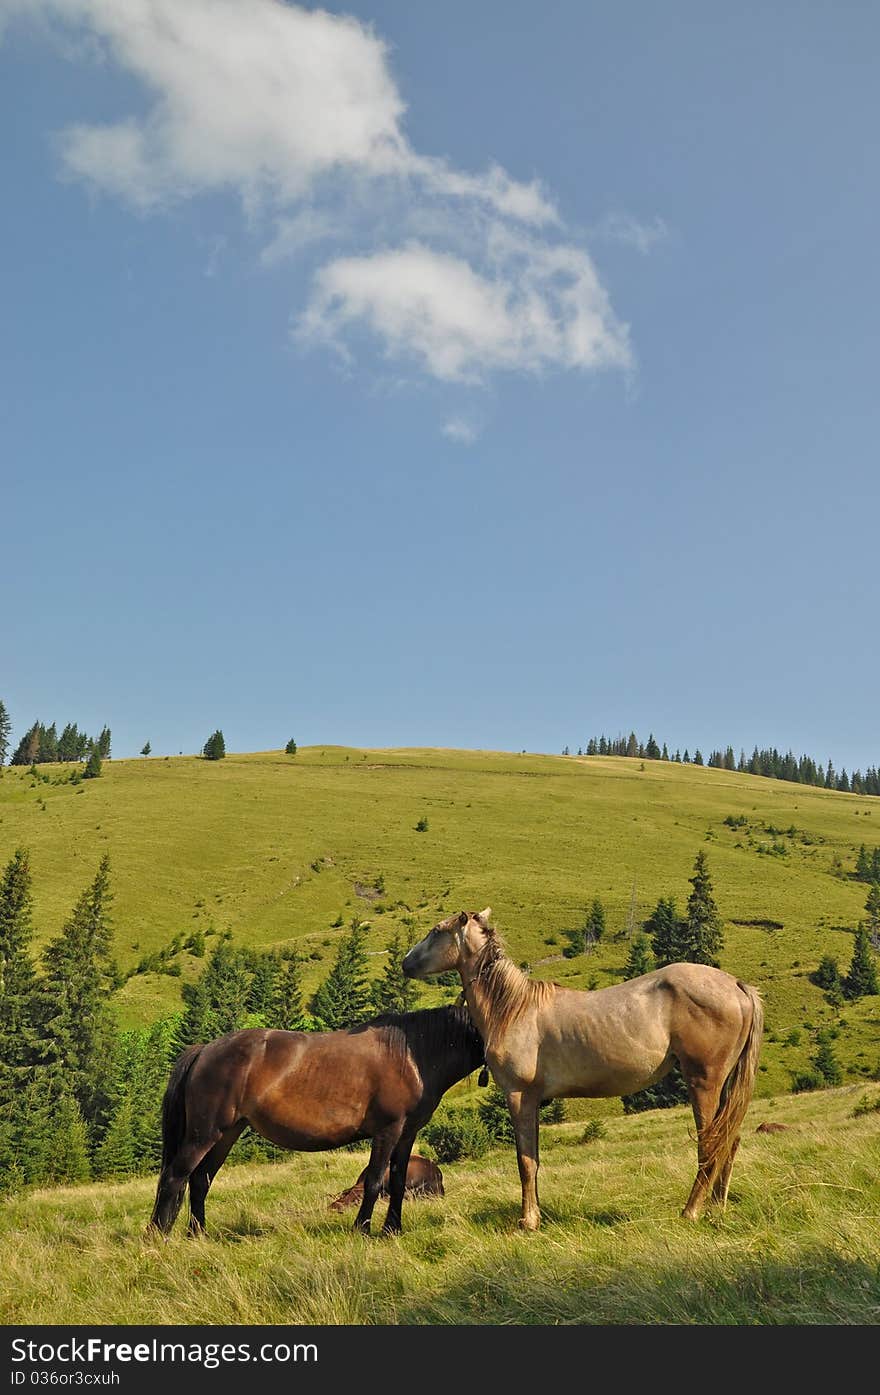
x,y
44,745
769,762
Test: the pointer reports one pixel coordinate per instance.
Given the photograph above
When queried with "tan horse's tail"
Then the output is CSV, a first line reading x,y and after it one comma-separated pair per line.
x,y
736,1094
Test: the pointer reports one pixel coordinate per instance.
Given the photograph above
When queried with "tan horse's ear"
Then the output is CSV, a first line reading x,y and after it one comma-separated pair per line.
x,y
484,917
463,919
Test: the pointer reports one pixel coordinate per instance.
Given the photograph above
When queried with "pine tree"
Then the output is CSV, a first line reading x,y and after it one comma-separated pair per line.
x,y
826,1062
103,743
68,743
582,938
68,1159
290,748
594,927
19,1045
652,750
146,748
872,909
217,1002
17,976
195,1023
93,765
150,1061
262,985
861,980
80,976
116,1155
639,959
286,1010
827,975
863,865
698,759
666,932
343,999
48,752
28,748
215,747
393,992
702,937
5,732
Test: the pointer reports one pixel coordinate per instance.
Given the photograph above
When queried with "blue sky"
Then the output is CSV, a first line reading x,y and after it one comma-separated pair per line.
x,y
485,376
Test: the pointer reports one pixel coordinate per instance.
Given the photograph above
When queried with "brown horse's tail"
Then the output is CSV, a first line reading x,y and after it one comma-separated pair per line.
x,y
736,1093
173,1124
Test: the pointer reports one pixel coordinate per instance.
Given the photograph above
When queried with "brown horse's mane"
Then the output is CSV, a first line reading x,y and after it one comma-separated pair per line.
x,y
509,992
429,1034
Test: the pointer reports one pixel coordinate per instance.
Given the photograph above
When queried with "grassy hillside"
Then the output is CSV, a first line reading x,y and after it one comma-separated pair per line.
x,y
798,1244
283,849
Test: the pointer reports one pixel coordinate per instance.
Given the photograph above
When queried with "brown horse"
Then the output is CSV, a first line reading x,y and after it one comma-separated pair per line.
x,y
311,1091
544,1041
423,1178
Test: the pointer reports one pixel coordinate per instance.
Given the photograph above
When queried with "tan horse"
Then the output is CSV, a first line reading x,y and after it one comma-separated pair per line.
x,y
544,1041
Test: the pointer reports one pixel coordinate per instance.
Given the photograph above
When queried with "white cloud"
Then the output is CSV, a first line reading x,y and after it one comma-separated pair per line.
x,y
536,307
296,112
460,430
255,96
623,227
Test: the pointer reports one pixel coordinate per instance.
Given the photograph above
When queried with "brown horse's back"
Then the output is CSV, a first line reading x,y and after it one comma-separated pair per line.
x,y
302,1090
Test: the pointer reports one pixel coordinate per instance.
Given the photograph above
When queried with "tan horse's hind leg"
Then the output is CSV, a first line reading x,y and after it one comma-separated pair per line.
x,y
704,1101
722,1185
524,1114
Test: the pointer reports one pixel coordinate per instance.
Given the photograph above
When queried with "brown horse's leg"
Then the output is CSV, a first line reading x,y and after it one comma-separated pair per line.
x,y
202,1177
397,1184
384,1143
172,1183
704,1102
524,1113
722,1186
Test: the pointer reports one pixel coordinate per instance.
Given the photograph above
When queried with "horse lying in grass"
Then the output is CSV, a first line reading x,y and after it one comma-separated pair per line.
x,y
310,1091
544,1041
423,1178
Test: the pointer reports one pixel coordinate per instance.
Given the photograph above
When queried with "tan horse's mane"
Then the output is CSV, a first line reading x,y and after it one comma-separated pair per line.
x,y
509,991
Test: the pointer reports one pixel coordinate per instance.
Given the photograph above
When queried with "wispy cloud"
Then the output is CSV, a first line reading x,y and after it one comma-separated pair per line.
x,y
623,227
296,113
461,430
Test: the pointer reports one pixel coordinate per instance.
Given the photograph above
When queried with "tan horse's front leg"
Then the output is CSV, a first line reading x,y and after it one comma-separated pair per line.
x,y
524,1113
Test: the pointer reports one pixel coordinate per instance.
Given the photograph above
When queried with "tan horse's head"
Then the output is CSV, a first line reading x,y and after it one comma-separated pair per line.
x,y
450,945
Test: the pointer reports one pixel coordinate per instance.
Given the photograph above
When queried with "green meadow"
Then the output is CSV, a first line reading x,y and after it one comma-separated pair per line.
x,y
799,1243
287,849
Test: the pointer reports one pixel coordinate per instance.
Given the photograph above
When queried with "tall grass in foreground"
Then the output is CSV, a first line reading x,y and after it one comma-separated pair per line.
x,y
800,1243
